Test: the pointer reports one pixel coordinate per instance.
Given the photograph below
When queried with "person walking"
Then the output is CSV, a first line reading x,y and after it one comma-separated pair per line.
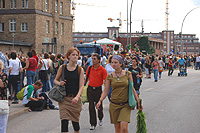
x,y
14,68
109,70
119,108
96,79
34,53
148,67
170,66
155,68
43,72
136,75
3,96
71,107
31,66
160,68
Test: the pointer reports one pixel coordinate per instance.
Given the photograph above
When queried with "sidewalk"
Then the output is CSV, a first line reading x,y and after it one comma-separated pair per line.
x,y
16,110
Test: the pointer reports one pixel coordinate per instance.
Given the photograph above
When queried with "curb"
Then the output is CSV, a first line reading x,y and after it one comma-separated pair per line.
x,y
17,113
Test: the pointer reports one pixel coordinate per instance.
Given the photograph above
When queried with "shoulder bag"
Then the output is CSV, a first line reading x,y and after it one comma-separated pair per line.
x,y
131,97
58,92
4,108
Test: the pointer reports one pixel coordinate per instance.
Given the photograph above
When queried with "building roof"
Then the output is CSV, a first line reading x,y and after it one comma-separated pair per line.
x,y
7,42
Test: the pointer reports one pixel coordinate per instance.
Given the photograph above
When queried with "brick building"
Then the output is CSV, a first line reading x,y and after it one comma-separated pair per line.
x,y
164,41
30,23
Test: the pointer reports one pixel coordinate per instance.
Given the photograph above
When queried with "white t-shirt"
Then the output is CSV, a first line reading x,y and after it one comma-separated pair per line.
x,y
79,62
103,60
160,63
45,63
15,65
109,69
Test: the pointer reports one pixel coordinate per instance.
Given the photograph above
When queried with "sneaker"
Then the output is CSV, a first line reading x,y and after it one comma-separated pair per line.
x,y
56,107
15,102
92,127
100,122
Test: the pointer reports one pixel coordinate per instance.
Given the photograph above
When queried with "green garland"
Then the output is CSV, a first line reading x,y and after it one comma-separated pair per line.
x,y
141,124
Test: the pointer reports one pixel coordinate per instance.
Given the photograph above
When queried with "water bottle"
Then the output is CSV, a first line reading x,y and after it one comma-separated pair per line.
x,y
47,104
138,80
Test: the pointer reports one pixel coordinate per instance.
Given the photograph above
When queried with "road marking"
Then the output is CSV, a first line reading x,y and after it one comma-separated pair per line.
x,y
149,89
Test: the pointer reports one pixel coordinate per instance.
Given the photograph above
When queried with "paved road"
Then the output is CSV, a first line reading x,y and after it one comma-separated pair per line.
x,y
171,106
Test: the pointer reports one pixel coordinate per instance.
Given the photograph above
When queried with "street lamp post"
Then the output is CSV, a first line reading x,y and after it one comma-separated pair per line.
x,y
184,20
130,19
127,24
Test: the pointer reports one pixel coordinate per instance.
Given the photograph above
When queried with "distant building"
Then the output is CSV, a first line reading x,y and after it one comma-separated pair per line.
x,y
30,23
165,41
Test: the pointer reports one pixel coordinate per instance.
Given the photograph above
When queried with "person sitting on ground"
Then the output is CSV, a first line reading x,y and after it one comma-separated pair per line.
x,y
34,103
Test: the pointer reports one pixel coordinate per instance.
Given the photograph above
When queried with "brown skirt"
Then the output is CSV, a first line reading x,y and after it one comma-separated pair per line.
x,y
70,111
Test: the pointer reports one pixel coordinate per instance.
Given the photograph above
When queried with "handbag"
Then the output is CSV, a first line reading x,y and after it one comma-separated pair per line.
x,y
160,69
131,97
4,108
58,92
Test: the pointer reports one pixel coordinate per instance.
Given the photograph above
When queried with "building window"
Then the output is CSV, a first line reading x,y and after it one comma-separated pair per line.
x,y
55,49
56,28
22,3
3,3
24,27
62,49
61,7
12,25
62,28
11,4
15,4
47,27
46,5
56,6
26,3
1,27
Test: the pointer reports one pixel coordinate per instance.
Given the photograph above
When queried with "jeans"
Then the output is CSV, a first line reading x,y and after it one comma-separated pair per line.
x,y
155,72
46,86
160,73
198,65
3,123
30,77
109,93
52,77
37,75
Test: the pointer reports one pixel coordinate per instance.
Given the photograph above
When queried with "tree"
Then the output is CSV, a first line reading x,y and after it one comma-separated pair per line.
x,y
144,44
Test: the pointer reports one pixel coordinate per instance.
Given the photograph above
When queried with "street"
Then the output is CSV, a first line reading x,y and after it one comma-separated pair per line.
x,y
171,106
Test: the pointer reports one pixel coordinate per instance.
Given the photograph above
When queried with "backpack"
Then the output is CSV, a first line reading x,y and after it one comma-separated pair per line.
x,y
20,94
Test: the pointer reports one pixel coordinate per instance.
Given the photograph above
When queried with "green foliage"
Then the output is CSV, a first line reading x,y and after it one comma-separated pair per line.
x,y
141,124
129,47
144,44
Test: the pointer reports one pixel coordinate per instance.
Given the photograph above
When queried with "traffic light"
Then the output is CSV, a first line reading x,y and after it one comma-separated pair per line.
x,y
180,34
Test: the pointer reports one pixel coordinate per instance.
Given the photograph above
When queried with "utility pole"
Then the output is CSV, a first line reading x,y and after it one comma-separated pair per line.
x,y
127,24
130,19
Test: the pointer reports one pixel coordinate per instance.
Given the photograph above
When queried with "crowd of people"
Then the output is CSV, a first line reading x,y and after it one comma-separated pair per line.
x,y
114,71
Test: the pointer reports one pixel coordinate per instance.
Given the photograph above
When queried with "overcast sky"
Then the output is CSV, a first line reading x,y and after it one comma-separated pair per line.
x,y
95,18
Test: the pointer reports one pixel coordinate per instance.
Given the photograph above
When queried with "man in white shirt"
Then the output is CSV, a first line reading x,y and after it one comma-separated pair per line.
x,y
14,68
103,61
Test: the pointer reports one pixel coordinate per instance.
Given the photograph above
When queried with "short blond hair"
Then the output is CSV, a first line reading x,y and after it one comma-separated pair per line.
x,y
1,65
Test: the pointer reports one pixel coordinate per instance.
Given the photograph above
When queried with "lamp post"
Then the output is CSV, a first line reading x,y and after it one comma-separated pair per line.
x,y
127,24
184,20
130,19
